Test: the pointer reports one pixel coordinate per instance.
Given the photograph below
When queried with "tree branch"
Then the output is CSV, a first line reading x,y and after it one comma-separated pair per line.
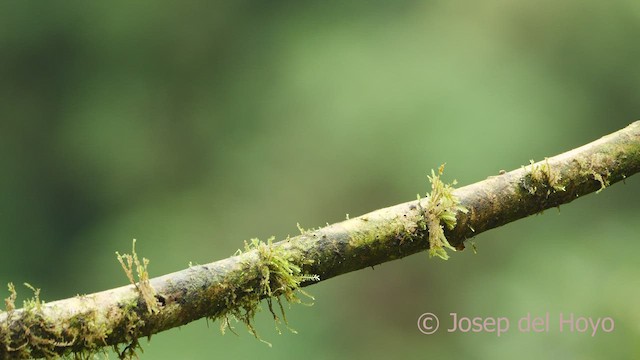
x,y
233,287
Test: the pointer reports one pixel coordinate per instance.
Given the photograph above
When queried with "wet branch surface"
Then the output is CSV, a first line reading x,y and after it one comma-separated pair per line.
x,y
85,324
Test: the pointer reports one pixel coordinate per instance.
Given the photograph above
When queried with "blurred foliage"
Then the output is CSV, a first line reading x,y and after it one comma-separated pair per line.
x,y
192,126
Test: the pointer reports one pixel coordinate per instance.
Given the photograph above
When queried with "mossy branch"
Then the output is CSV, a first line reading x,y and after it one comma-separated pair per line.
x,y
233,287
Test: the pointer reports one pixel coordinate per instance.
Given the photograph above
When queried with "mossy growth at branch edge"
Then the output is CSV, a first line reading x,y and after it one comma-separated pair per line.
x,y
542,179
273,273
44,336
146,291
277,276
442,206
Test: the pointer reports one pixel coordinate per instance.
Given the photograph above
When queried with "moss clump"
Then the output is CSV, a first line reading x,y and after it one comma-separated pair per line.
x,y
541,179
40,336
35,332
276,276
442,206
31,333
146,291
133,323
10,302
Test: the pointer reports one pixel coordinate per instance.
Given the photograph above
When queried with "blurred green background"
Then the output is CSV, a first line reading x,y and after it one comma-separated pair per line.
x,y
192,126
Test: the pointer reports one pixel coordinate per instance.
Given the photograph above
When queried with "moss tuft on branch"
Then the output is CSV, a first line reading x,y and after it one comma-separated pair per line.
x,y
442,207
276,275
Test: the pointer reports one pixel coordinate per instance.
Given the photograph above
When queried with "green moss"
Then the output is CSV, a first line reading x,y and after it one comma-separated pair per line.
x,y
541,179
43,336
128,311
442,207
32,331
376,233
304,231
274,276
89,333
146,291
597,168
359,237
133,322
439,212
10,302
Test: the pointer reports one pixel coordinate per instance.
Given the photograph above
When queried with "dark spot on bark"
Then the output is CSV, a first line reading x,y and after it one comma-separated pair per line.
x,y
161,300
